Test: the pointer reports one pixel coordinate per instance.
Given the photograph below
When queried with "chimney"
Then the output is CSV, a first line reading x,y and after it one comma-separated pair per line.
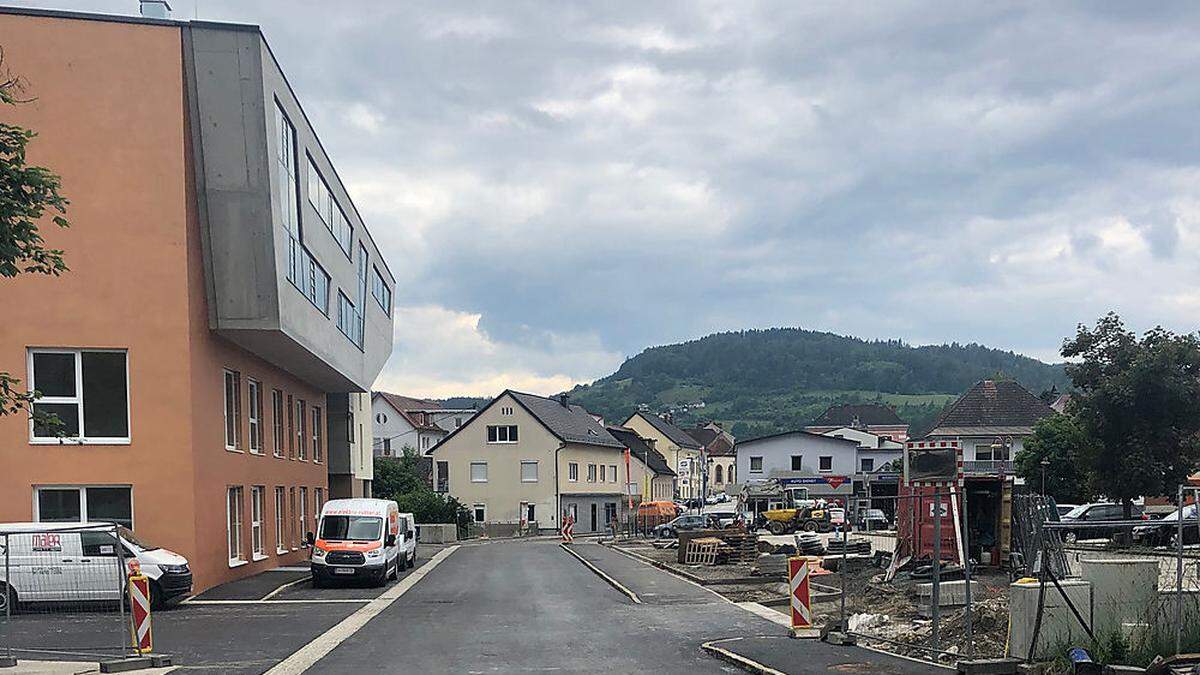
x,y
155,9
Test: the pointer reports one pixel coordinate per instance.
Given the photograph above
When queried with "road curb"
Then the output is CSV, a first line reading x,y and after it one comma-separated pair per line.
x,y
746,664
603,575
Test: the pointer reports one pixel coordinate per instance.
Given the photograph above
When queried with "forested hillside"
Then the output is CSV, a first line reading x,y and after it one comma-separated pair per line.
x,y
760,381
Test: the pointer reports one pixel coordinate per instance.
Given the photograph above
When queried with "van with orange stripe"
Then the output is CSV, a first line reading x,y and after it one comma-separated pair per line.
x,y
360,539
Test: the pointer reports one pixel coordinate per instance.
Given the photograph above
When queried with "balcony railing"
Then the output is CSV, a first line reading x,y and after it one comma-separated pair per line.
x,y
988,467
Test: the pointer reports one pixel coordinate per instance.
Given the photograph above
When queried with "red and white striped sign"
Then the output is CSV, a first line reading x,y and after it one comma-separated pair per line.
x,y
139,614
568,529
800,595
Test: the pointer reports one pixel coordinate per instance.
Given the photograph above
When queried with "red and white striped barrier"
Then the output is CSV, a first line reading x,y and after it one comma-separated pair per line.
x,y
139,614
568,530
800,594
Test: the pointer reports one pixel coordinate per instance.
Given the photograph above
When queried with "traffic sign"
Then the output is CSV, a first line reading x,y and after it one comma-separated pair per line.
x,y
568,529
139,605
801,598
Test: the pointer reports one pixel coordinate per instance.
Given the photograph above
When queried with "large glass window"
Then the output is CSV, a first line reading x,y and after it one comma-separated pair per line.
x,y
317,450
301,432
76,504
305,273
381,291
256,523
280,510
277,421
87,390
256,417
321,197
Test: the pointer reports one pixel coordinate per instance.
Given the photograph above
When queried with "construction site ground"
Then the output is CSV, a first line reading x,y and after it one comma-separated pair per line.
x,y
886,611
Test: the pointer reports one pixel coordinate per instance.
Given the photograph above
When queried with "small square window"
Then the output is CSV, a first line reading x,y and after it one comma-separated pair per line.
x,y
825,463
797,462
529,472
479,472
756,464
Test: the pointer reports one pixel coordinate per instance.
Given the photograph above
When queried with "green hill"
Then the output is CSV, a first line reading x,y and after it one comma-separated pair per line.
x,y
761,381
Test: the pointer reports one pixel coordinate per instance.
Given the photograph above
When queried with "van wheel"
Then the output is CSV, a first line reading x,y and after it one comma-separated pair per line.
x,y
8,598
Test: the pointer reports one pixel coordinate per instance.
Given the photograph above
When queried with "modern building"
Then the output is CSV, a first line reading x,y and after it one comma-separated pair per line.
x,y
717,447
351,473
223,293
682,452
874,418
524,460
402,422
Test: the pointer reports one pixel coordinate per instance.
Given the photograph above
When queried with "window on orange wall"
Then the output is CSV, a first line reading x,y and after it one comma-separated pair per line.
x,y
280,526
233,410
317,451
256,416
233,512
277,421
257,548
301,431
291,428
302,523
292,520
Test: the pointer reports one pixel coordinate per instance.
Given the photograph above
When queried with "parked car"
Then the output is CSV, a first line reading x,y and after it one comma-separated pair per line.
x,y
69,562
361,539
1100,512
875,518
719,498
1064,509
690,521
1163,532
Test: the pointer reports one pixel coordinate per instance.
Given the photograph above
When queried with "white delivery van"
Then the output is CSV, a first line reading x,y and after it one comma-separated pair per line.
x,y
78,562
407,540
358,539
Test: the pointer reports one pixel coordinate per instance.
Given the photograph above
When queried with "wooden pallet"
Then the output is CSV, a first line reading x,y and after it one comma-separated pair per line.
x,y
701,552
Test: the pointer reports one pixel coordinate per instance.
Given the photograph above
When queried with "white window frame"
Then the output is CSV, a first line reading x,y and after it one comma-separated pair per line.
x,y
227,373
534,464
233,526
257,545
508,430
573,472
84,516
78,398
862,464
612,471
254,415
302,515
280,519
278,430
475,509
485,472
591,474
318,502
506,410
301,429
603,474
821,459
317,450
760,463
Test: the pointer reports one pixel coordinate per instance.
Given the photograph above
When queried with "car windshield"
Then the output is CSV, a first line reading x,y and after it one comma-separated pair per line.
x,y
360,528
875,513
128,537
1076,512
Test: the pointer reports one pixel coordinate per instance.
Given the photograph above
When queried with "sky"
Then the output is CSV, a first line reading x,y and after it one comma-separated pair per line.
x,y
558,186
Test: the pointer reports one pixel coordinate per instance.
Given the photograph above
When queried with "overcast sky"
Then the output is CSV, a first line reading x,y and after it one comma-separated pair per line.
x,y
559,185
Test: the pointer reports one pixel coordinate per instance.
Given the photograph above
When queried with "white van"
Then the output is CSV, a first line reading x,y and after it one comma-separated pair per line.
x,y
73,562
364,539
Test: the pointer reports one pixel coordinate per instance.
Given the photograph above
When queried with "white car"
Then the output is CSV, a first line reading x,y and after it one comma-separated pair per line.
x,y
69,562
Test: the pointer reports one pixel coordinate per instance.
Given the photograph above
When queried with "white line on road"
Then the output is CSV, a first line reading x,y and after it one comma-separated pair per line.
x,y
309,601
739,660
599,572
289,584
324,643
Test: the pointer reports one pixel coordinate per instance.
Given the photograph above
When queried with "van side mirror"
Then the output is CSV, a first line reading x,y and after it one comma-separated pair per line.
x,y
310,538
390,541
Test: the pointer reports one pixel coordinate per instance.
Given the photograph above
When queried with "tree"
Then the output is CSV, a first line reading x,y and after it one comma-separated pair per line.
x,y
1139,401
1060,441
403,480
27,193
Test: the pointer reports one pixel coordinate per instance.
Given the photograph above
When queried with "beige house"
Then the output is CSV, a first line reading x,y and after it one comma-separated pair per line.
x,y
682,452
717,445
654,479
524,460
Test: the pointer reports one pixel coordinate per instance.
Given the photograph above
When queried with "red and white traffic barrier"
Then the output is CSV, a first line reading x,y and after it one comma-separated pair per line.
x,y
568,530
139,614
800,594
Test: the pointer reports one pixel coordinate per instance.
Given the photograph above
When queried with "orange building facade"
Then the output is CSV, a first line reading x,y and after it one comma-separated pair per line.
x,y
193,371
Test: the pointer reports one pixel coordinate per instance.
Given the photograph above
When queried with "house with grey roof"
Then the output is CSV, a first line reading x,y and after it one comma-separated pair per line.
x,y
991,422
523,461
682,452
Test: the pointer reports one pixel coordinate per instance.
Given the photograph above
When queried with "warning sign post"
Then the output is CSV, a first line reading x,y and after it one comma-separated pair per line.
x,y
139,614
801,597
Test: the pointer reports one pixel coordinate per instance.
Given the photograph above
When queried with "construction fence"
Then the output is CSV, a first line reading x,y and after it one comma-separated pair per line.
x,y
63,593
1126,590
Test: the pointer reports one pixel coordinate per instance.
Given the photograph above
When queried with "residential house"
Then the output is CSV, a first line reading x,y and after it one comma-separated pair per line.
x,y
823,466
681,451
524,460
874,418
653,479
223,293
878,462
404,422
717,447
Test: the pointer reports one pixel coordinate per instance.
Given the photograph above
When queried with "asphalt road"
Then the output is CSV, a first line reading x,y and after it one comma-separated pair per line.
x,y
520,607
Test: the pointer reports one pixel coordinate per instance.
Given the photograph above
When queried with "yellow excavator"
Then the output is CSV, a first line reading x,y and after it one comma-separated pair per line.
x,y
788,520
